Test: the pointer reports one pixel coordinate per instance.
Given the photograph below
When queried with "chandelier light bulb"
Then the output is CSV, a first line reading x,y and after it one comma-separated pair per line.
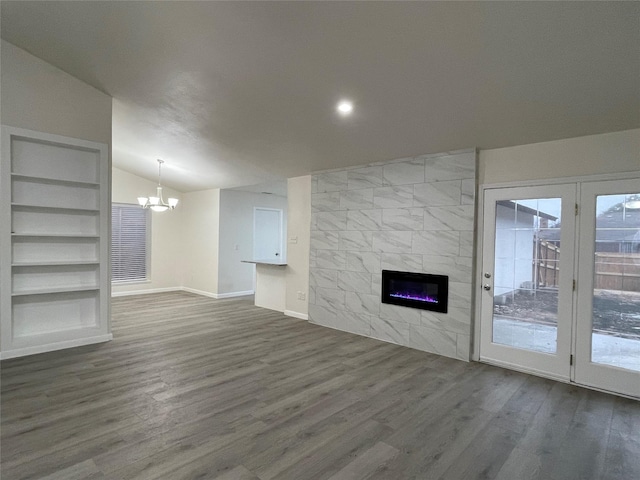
x,y
157,203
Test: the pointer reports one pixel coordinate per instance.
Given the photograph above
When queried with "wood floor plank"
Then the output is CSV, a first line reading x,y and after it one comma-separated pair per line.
x,y
197,388
86,470
366,464
238,473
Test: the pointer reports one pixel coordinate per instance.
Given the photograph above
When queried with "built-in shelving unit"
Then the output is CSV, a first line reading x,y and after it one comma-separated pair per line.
x,y
54,242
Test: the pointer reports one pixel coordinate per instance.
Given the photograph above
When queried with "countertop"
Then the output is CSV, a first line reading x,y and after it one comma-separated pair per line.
x,y
278,263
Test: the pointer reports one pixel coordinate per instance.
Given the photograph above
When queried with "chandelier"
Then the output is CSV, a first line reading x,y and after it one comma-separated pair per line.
x,y
157,203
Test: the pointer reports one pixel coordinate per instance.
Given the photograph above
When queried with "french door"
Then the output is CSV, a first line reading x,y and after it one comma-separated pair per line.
x,y
560,282
527,278
608,308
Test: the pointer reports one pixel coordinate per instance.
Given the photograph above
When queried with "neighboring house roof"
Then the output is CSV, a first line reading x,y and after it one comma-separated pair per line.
x,y
523,209
618,226
621,225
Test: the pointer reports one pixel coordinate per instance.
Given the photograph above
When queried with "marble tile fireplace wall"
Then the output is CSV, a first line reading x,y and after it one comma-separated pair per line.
x,y
414,215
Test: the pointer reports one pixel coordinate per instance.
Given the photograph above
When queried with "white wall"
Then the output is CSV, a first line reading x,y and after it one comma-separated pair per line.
x,y
166,251
513,250
201,230
39,96
299,228
591,155
236,221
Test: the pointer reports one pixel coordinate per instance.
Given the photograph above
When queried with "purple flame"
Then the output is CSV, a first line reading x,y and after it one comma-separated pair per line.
x,y
407,296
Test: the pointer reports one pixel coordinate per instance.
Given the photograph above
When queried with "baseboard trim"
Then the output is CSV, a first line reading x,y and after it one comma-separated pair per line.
x,y
146,291
217,295
183,289
301,316
235,294
199,292
51,347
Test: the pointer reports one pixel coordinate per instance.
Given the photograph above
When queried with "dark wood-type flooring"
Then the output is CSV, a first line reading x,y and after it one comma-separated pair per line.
x,y
195,388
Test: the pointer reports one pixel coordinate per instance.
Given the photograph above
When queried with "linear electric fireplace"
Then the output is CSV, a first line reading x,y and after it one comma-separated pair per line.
x,y
417,290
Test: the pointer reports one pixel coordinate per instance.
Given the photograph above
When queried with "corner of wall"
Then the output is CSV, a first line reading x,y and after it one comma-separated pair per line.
x,y
298,246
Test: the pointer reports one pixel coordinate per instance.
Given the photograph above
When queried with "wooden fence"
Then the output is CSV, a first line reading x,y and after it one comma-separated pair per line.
x,y
618,271
546,263
614,271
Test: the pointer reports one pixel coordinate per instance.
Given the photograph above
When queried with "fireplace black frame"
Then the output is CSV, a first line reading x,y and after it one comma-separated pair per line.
x,y
442,281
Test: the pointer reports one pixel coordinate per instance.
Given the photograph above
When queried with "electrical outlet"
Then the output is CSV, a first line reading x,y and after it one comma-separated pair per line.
x,y
302,296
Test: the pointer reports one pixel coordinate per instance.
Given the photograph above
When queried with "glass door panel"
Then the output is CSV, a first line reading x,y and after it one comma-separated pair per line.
x,y
608,323
526,298
527,254
615,333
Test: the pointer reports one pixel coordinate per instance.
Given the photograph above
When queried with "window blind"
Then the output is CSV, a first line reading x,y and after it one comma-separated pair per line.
x,y
129,230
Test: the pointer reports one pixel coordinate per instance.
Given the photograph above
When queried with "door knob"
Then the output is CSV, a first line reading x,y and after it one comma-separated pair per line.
x,y
487,286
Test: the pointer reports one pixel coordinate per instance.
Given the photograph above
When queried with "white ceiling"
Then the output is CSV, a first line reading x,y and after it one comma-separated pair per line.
x,y
239,93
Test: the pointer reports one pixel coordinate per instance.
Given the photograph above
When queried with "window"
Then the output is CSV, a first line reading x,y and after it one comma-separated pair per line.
x,y
129,243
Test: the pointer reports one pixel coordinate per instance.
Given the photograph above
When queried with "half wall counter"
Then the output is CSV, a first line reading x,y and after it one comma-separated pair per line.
x,y
271,285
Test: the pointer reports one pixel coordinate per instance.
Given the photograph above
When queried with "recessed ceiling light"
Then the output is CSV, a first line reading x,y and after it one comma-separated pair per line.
x,y
345,107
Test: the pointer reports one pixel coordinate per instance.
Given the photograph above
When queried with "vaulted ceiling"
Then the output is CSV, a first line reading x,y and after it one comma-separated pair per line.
x,y
239,93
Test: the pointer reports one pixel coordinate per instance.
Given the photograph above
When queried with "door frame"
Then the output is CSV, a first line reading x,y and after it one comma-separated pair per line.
x,y
480,223
552,365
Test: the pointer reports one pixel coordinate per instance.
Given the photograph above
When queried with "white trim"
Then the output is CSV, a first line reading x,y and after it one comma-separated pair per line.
x,y
183,289
199,292
50,347
145,292
554,181
477,274
217,295
6,279
301,316
233,294
51,138
125,283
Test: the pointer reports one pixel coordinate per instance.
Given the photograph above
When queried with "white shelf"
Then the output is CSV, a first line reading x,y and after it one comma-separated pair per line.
x,y
54,214
56,264
55,157
24,206
54,235
45,291
53,181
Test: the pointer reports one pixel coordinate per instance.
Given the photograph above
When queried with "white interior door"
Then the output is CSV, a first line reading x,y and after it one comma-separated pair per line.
x,y
267,234
527,278
608,313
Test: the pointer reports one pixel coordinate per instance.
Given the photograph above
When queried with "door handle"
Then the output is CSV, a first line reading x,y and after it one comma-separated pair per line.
x,y
487,287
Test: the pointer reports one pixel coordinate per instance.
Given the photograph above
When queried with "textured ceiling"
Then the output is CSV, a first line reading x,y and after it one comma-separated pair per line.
x,y
238,93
